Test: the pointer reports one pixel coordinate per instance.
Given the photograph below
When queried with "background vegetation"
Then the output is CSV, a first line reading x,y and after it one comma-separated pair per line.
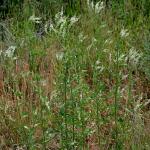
x,y
75,75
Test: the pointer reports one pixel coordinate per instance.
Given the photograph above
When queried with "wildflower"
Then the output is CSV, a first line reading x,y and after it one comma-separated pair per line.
x,y
124,33
10,51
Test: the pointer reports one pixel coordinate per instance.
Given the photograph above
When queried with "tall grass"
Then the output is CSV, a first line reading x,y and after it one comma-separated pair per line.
x,y
75,77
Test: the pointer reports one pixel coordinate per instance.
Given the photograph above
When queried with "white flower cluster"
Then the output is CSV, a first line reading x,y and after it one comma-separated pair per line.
x,y
97,8
61,24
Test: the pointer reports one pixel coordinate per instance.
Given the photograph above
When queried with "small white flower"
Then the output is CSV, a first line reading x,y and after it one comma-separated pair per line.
x,y
10,51
124,33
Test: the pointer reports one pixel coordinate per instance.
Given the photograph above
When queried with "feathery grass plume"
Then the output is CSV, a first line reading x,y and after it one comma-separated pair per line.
x,y
124,33
97,8
73,20
59,55
10,52
133,57
62,24
35,19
